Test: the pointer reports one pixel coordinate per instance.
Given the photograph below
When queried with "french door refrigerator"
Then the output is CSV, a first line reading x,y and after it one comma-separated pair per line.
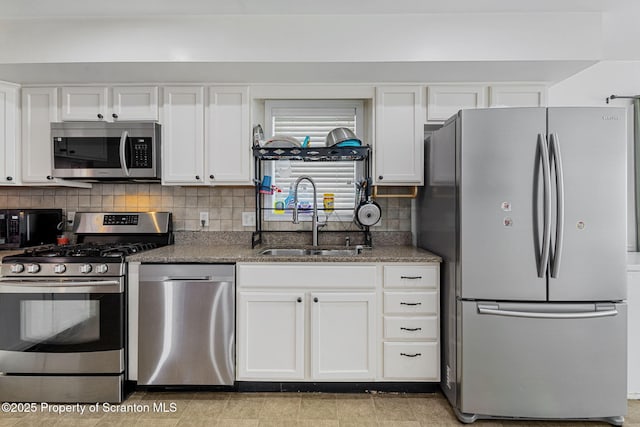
x,y
527,207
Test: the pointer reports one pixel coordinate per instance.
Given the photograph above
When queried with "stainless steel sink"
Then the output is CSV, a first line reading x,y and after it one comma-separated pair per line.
x,y
357,250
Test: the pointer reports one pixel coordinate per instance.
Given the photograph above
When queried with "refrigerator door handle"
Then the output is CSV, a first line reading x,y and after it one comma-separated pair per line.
x,y
556,253
546,178
496,311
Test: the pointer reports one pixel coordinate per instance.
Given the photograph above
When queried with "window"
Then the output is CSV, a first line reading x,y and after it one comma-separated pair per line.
x,y
315,119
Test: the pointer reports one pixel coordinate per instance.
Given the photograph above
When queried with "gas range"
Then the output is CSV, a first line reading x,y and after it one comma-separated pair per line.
x,y
104,241
62,310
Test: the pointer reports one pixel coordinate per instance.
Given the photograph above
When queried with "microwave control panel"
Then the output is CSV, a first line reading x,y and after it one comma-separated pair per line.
x,y
142,153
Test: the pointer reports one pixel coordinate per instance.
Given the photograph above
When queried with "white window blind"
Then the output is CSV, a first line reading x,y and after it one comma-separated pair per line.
x,y
314,119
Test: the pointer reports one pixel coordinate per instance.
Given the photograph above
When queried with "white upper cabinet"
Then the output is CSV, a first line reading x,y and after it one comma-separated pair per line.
x,y
224,156
94,103
228,143
183,135
135,103
39,109
445,100
9,157
399,134
517,96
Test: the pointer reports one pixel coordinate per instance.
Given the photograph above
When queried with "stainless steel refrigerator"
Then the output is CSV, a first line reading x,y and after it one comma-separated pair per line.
x,y
527,207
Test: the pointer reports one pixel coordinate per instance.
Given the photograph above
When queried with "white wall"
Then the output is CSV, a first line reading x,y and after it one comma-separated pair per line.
x,y
590,88
300,38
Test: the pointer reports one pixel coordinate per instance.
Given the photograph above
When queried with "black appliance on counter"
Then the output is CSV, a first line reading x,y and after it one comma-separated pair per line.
x,y
20,228
62,310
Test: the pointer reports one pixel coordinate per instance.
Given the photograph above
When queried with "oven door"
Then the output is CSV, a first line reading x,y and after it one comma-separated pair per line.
x,y
61,326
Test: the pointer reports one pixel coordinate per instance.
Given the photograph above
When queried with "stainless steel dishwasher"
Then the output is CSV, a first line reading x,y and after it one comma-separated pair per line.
x,y
186,324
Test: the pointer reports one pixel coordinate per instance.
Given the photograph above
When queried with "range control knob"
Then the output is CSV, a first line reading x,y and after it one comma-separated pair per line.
x,y
33,268
102,268
85,268
59,268
17,268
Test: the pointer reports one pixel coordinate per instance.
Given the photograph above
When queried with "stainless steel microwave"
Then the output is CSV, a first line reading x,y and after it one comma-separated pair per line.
x,y
106,151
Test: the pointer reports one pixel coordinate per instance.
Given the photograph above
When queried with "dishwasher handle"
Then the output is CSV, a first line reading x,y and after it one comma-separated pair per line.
x,y
187,278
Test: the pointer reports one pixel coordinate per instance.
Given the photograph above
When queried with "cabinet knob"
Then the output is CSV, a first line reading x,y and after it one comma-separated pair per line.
x,y
114,115
299,299
49,177
315,299
100,116
198,177
211,177
380,177
9,178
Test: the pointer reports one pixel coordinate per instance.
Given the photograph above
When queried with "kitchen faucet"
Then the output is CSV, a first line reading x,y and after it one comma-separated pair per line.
x,y
315,225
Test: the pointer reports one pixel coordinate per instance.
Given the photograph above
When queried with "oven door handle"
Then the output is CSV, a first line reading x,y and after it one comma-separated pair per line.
x,y
13,286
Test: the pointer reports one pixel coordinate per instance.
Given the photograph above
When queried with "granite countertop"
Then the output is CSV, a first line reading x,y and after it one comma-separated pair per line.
x,y
199,253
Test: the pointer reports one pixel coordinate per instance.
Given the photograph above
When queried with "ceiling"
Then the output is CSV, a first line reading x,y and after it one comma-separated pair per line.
x,y
22,9
290,72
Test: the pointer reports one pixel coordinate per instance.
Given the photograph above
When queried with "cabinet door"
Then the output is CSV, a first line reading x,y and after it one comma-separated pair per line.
x,y
39,109
228,148
84,103
183,136
342,335
517,96
270,335
399,136
445,100
9,167
135,103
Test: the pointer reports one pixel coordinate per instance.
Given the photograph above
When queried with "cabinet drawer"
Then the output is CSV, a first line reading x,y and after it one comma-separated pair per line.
x,y
425,327
419,361
411,276
411,302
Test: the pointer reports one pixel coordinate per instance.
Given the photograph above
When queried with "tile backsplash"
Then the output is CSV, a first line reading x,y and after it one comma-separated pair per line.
x,y
224,205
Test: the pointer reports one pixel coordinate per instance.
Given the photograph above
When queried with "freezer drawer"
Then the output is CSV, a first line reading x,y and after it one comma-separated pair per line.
x,y
543,360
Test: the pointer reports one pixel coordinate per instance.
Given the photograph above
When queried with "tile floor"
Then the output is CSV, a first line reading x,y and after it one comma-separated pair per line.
x,y
278,410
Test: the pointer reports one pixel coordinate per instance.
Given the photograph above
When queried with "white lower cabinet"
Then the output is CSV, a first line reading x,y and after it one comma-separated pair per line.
x,y
337,322
292,325
411,339
342,335
270,330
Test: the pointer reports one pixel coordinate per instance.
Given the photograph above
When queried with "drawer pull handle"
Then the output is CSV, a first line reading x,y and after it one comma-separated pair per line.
x,y
410,303
410,329
410,355
411,277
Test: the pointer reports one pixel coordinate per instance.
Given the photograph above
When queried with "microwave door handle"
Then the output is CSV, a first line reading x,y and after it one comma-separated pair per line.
x,y
123,149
